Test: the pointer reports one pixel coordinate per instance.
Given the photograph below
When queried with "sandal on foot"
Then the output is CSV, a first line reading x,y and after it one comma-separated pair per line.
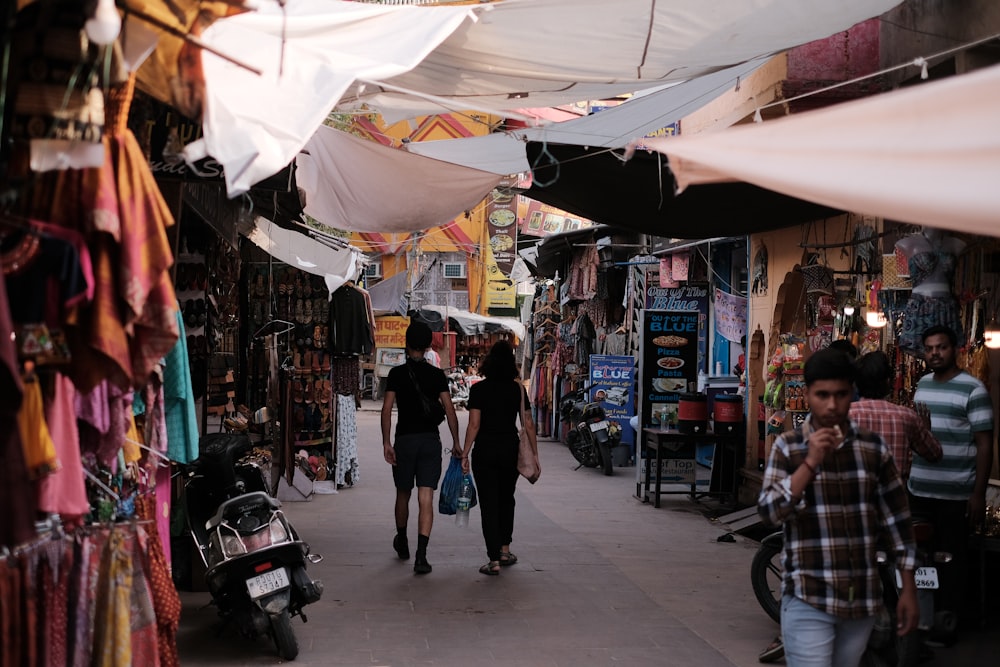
x,y
491,569
507,558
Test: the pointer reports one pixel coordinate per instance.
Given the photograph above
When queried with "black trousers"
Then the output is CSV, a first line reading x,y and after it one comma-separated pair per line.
x,y
951,534
494,468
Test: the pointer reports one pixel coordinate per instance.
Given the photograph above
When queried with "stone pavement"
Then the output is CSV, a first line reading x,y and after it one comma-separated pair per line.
x,y
602,579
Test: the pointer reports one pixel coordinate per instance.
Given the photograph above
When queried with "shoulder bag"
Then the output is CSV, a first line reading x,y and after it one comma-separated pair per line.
x,y
527,456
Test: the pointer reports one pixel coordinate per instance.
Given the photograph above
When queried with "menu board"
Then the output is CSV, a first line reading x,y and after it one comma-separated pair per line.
x,y
501,224
669,361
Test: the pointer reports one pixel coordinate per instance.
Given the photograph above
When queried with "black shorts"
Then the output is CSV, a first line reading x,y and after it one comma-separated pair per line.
x,y
418,457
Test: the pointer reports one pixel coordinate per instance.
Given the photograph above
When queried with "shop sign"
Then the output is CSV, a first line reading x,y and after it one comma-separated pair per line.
x,y
612,384
730,315
689,297
390,331
543,220
501,293
670,361
501,226
388,358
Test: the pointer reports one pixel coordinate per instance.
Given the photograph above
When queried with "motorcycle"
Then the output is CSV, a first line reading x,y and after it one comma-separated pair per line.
x,y
255,561
587,431
885,647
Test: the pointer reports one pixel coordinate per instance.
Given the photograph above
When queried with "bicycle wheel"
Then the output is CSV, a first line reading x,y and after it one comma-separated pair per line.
x,y
765,575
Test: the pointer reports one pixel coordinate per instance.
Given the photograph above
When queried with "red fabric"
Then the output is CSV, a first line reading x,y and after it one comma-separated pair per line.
x,y
900,428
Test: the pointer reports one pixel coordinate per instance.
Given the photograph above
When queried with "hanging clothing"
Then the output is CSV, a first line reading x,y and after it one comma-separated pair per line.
x,y
178,401
346,441
39,450
63,491
350,328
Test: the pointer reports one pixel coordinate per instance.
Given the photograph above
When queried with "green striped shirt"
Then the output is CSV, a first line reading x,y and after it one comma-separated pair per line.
x,y
959,407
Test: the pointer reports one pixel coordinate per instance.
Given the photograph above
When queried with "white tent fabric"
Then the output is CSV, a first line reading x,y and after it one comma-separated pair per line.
x,y
337,266
474,323
611,128
360,185
929,154
539,53
523,53
310,53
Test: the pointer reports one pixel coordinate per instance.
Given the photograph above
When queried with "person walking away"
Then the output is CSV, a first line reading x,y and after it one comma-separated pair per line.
x,y
494,406
421,392
952,491
834,484
432,357
902,429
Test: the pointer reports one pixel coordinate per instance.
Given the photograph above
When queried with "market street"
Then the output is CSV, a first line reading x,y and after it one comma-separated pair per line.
x,y
602,579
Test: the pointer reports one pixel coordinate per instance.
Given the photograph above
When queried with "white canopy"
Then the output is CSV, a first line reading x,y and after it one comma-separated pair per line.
x,y
360,185
539,53
522,53
929,154
473,323
504,153
337,266
310,52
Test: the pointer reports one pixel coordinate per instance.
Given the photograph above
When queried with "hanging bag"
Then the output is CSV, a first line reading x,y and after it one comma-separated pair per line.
x,y
527,455
451,488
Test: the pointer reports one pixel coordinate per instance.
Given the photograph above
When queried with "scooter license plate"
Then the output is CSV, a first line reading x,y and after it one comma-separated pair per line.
x,y
925,577
597,426
266,583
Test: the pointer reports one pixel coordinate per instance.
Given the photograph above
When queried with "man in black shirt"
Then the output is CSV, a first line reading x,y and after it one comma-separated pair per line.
x,y
423,403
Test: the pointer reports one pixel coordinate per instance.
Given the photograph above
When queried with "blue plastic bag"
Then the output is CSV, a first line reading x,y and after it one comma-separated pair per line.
x,y
451,488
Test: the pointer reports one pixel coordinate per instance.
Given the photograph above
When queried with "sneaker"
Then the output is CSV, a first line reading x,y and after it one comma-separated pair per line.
x,y
401,546
420,565
775,651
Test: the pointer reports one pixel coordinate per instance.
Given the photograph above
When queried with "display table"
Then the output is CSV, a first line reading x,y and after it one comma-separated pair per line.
x,y
674,461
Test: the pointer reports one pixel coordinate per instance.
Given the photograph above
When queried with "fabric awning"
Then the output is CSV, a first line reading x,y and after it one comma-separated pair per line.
x,y
928,154
639,195
389,296
337,266
543,53
520,53
310,53
504,153
466,322
363,186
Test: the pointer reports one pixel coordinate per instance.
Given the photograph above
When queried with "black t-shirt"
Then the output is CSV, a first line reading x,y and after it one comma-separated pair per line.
x,y
411,414
497,401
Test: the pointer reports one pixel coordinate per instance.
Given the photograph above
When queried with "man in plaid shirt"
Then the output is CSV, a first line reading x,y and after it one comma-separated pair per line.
x,y
835,488
900,428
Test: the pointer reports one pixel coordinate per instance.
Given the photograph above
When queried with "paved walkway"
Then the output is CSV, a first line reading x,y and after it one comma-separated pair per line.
x,y
602,579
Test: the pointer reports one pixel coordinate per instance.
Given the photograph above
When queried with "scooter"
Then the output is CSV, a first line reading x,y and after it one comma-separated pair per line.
x,y
587,431
255,562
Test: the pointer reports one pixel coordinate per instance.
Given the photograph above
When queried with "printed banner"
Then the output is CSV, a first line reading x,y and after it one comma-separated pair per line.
x,y
501,225
693,296
730,315
669,362
612,384
540,219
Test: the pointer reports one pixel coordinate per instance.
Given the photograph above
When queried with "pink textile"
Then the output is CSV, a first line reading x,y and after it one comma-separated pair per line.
x,y
63,491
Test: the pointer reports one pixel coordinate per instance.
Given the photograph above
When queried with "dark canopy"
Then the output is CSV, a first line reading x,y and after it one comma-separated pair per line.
x,y
639,195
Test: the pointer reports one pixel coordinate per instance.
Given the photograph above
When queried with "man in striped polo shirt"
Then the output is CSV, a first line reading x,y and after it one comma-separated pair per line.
x,y
952,492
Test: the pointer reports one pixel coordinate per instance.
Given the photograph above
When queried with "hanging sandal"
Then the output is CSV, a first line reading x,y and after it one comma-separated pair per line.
x,y
491,569
507,558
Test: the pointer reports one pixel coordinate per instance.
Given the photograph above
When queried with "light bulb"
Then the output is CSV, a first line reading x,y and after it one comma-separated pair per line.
x,y
876,319
849,309
106,23
991,335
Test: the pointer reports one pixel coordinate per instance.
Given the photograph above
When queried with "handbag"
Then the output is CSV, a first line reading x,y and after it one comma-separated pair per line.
x,y
527,456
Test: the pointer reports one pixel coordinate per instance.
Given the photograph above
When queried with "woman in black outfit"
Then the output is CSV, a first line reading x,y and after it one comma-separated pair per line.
x,y
494,406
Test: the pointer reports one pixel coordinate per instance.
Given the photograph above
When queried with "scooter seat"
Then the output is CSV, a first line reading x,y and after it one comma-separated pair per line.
x,y
256,497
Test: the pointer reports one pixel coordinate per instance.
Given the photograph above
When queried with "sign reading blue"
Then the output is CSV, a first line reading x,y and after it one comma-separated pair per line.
x,y
612,384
